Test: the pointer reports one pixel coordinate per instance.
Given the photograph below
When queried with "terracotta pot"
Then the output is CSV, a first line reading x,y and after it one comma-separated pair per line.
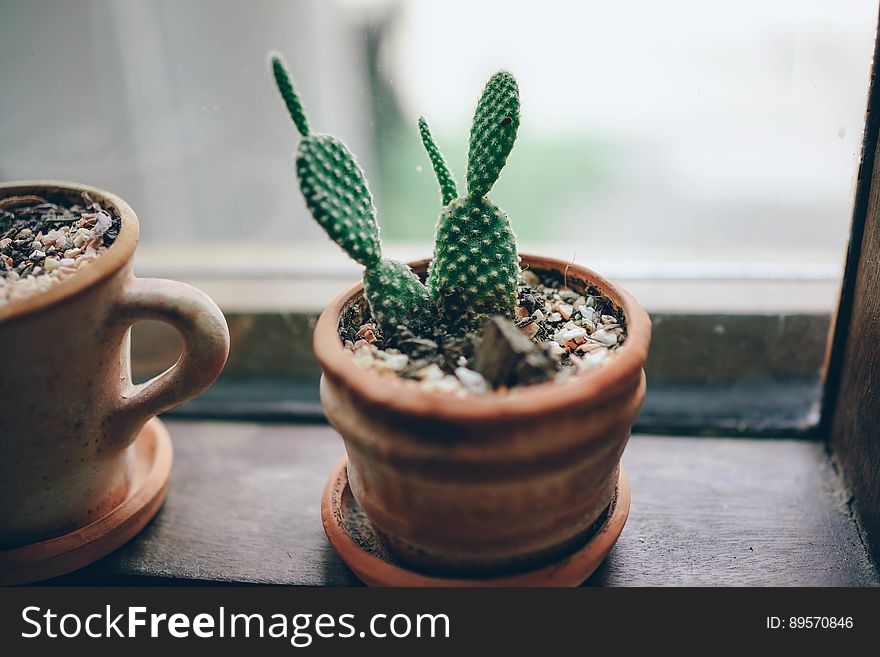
x,y
68,408
485,484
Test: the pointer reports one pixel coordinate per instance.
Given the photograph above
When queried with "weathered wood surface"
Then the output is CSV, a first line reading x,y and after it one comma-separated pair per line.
x,y
852,404
244,507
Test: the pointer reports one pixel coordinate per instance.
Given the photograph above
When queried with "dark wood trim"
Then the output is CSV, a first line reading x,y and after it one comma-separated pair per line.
x,y
851,403
243,507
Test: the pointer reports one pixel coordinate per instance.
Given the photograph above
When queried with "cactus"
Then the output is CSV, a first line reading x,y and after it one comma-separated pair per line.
x,y
336,193
448,188
475,266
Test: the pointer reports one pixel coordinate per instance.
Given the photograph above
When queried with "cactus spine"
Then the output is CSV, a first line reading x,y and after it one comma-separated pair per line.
x,y
475,266
336,193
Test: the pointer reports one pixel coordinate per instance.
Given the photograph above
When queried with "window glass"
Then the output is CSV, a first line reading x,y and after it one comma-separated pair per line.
x,y
654,135
701,154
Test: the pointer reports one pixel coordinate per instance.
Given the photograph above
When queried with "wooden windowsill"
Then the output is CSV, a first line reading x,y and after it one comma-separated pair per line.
x,y
243,507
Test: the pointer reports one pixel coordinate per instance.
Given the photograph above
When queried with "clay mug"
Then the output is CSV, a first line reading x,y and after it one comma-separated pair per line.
x,y
69,411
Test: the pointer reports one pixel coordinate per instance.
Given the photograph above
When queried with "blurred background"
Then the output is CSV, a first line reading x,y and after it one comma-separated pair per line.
x,y
665,139
701,154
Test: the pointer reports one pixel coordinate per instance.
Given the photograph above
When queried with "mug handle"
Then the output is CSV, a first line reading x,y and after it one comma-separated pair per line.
x,y
205,349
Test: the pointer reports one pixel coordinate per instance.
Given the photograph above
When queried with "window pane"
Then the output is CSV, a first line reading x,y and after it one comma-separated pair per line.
x,y
674,133
701,154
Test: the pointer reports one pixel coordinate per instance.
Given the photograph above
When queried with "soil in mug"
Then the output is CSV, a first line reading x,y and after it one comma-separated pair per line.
x,y
44,242
571,326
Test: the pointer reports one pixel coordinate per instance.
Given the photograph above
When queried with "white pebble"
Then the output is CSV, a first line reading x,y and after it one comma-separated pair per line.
x,y
591,359
555,349
471,380
588,312
431,373
606,337
51,264
446,384
565,309
565,334
395,362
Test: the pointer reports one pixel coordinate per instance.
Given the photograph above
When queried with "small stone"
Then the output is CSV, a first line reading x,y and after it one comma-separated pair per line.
x,y
53,237
609,319
471,380
23,233
566,310
530,330
592,359
447,383
395,362
555,349
522,313
605,337
587,324
554,317
367,332
51,264
37,255
587,347
430,373
588,313
363,357
72,253
102,225
565,334
538,316
82,237
67,262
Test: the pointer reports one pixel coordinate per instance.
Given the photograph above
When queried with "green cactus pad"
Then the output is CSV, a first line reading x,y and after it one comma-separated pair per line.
x,y
338,197
448,189
475,265
493,132
288,93
336,193
397,297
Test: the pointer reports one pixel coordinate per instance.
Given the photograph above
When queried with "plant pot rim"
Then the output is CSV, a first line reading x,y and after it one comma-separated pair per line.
x,y
393,394
107,264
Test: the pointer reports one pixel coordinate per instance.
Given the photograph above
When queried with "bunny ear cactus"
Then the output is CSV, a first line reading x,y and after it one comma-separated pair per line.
x,y
337,195
475,266
448,188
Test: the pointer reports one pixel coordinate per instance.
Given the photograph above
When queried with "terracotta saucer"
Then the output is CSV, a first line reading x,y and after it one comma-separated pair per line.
x,y
63,554
364,551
